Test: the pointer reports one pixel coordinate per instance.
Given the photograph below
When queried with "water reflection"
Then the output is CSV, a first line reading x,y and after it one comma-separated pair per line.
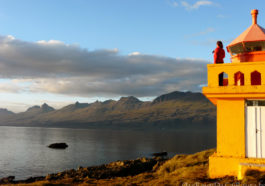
x,y
24,151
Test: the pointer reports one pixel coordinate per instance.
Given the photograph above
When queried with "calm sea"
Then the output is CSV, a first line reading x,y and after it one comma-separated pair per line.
x,y
24,152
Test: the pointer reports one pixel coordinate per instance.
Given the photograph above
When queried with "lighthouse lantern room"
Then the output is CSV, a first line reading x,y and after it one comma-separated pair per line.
x,y
240,101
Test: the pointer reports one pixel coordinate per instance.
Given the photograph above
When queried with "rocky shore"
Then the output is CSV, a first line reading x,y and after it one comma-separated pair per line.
x,y
106,171
178,170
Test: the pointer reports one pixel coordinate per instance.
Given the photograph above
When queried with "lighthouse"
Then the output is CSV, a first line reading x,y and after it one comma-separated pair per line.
x,y
240,102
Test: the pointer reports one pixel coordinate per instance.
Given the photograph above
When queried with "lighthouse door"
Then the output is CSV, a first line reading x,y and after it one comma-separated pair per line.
x,y
255,129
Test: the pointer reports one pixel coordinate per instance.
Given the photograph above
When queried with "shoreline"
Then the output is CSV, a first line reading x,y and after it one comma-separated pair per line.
x,y
207,128
104,171
178,170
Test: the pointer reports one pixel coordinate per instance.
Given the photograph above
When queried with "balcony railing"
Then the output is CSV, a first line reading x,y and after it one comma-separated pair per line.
x,y
251,73
236,77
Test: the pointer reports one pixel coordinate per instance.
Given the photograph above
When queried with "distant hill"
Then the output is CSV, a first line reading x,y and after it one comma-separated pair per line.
x,y
39,109
183,96
5,113
173,110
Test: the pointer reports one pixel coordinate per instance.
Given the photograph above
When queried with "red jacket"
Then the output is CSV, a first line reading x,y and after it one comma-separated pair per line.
x,y
219,55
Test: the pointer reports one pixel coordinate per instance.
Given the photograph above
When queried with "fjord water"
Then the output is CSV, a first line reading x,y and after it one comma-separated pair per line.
x,y
24,152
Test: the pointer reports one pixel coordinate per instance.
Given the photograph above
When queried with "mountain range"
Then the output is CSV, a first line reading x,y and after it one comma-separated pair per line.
x,y
172,110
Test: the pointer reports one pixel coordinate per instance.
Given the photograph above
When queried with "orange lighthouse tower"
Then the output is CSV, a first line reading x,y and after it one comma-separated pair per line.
x,y
240,102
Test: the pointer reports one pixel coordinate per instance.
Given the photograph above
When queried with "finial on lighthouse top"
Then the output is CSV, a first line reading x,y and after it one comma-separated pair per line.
x,y
254,14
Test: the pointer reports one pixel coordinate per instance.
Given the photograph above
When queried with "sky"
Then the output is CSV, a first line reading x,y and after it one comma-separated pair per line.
x,y
62,51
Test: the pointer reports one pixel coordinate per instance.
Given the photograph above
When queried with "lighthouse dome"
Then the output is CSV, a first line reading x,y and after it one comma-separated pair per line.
x,y
250,45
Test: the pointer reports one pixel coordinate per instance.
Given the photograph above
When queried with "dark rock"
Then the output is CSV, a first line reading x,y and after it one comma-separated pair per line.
x,y
58,146
6,180
160,154
51,177
34,179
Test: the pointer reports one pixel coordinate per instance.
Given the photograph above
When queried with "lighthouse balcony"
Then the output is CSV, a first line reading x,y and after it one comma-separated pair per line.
x,y
236,79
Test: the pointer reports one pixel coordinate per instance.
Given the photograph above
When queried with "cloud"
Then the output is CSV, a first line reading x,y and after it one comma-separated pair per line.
x,y
175,4
134,54
196,5
206,31
65,69
206,42
201,33
210,41
172,3
50,42
10,86
221,16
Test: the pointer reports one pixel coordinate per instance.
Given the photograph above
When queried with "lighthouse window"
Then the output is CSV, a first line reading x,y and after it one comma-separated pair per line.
x,y
223,79
255,102
236,49
239,79
255,78
255,46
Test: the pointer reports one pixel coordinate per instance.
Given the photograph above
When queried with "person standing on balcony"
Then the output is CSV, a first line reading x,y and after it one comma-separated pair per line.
x,y
219,55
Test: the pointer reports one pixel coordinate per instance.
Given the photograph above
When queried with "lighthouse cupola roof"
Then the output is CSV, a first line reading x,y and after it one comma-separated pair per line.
x,y
250,41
